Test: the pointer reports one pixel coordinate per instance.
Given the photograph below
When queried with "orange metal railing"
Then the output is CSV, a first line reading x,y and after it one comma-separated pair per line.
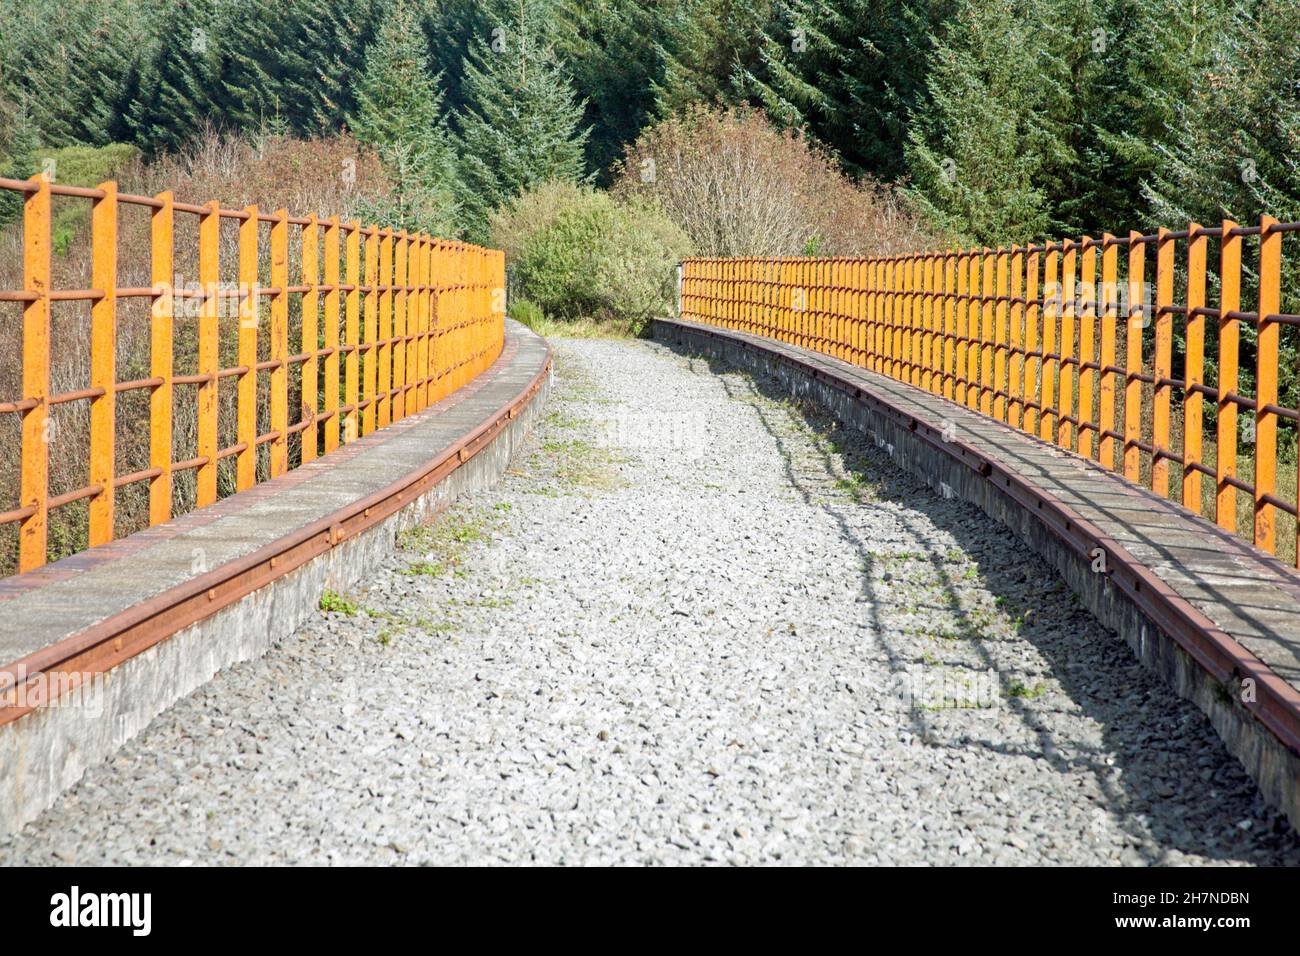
x,y
1031,336
390,322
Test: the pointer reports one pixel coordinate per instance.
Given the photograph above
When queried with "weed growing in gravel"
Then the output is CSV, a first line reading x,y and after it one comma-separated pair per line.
x,y
1024,692
334,603
443,543
578,462
858,487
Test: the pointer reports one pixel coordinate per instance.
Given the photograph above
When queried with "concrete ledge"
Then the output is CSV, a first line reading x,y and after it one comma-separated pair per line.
x,y
115,635
1218,620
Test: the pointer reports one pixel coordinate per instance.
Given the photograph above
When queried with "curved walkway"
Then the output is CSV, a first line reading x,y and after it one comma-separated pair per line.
x,y
694,623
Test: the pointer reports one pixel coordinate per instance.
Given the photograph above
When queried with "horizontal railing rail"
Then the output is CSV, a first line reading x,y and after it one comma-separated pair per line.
x,y
387,322
1031,336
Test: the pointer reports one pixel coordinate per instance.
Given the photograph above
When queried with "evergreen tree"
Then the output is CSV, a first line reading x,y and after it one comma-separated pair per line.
x,y
612,49
179,76
1151,56
710,48
981,150
521,123
399,115
1233,139
851,73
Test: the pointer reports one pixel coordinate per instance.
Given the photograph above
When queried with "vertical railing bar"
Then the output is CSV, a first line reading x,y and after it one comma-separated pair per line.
x,y
1194,367
1163,363
385,333
1066,370
1001,341
331,341
1047,413
399,325
1225,503
310,336
1266,390
1033,313
34,491
1087,318
1109,316
162,224
249,319
103,363
370,363
208,345
352,334
1136,320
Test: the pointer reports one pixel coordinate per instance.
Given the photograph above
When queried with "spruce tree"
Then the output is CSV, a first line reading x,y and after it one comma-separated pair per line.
x,y
521,123
710,47
851,73
179,77
612,51
399,115
982,149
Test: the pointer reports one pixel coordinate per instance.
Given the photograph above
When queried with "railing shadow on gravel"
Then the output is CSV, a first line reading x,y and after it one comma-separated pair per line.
x,y
1096,679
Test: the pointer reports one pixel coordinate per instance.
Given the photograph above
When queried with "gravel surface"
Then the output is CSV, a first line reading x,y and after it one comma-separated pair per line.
x,y
695,623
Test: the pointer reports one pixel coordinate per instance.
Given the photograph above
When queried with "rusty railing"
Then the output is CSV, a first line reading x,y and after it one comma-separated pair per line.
x,y
388,322
1031,337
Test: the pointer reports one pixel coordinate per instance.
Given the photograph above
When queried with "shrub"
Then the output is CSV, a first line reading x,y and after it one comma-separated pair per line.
x,y
739,187
579,253
527,312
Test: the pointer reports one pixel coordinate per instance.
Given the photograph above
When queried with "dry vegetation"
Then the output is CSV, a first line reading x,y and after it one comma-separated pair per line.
x,y
739,187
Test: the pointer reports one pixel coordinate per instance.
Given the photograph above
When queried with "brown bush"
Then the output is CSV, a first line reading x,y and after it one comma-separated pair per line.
x,y
739,187
325,176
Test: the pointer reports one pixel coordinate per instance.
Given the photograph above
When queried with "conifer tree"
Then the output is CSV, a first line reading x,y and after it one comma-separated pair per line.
x,y
980,152
851,73
399,114
179,77
520,125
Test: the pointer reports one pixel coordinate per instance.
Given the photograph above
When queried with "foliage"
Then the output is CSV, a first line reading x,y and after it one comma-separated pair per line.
x,y
398,114
738,186
577,252
520,123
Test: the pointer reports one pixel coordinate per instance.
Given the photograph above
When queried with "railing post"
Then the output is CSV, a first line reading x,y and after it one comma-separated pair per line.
x,y
161,358
961,386
1136,322
279,458
103,363
1109,316
209,313
33,532
1068,366
352,335
1001,336
1033,362
1047,414
400,262
1194,367
1087,346
249,316
310,341
332,281
1266,359
1163,367
1015,343
383,394
370,332
1225,502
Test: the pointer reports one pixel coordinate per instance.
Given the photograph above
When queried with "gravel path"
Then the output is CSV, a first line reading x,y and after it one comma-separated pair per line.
x,y
695,623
